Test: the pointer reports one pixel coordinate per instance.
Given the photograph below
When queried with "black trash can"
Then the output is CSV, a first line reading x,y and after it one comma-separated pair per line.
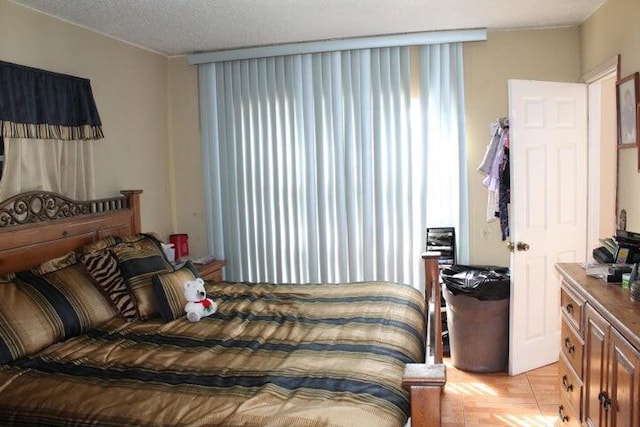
x,y
478,316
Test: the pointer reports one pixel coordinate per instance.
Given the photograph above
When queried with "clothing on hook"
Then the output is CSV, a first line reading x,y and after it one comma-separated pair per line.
x,y
492,148
504,190
495,167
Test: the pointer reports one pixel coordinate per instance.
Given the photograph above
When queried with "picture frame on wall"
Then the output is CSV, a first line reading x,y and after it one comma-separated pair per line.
x,y
638,131
626,103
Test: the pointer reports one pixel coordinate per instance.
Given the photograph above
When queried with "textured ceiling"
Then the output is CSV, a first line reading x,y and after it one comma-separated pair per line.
x,y
176,27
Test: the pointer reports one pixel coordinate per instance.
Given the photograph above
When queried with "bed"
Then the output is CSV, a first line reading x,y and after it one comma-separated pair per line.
x,y
77,351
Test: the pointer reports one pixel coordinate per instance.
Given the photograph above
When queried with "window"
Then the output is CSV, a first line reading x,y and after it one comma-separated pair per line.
x,y
326,168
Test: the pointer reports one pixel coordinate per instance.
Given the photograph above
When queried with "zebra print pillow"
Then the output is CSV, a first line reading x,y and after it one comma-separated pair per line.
x,y
102,266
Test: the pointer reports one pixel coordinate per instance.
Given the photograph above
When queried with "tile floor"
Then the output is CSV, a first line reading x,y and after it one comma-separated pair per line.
x,y
497,399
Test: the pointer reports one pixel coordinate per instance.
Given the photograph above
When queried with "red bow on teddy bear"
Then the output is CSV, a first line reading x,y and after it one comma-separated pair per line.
x,y
205,303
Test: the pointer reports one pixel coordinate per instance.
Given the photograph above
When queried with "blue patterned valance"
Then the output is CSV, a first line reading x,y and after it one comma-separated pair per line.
x,y
45,105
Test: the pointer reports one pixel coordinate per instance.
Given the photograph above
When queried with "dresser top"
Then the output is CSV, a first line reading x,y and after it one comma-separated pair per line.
x,y
609,299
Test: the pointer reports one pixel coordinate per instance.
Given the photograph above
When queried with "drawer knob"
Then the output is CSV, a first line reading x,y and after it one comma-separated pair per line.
x,y
565,383
570,347
569,308
563,417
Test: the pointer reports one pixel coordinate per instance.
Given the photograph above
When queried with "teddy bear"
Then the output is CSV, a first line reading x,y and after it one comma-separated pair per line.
x,y
198,305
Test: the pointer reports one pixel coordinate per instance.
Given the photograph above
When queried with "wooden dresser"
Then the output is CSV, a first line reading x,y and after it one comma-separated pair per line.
x,y
600,352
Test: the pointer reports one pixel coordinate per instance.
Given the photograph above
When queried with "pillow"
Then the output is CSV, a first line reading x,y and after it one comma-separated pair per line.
x,y
110,241
168,291
100,245
102,266
39,310
7,278
139,262
55,264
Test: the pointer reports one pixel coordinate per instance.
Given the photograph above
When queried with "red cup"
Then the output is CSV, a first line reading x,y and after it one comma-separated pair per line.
x,y
180,244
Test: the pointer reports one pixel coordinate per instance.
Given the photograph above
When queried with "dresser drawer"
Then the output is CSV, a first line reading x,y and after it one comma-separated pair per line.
x,y
572,308
571,346
567,416
570,385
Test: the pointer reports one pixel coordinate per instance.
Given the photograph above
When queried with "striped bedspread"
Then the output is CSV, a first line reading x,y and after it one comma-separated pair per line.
x,y
273,355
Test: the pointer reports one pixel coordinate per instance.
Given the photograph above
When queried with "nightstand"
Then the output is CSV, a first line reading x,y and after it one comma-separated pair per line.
x,y
212,271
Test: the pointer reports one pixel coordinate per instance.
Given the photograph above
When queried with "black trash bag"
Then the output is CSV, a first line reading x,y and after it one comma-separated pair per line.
x,y
484,282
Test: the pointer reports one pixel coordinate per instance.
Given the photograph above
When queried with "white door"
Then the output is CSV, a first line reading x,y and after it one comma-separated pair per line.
x,y
548,156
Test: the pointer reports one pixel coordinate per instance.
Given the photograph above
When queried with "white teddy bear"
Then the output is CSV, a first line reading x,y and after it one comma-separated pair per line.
x,y
198,305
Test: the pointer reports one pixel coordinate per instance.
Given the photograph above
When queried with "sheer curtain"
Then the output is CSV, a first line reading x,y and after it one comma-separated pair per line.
x,y
316,166
64,167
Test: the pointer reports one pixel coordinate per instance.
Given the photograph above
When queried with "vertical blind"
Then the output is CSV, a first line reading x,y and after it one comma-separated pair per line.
x,y
317,165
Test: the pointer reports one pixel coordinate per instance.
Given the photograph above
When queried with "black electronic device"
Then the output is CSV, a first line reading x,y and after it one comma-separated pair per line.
x,y
443,240
627,254
602,255
624,236
616,271
623,248
628,247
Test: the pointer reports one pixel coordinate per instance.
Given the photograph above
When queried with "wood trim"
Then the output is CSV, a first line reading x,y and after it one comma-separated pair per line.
x,y
425,384
425,381
133,201
625,146
434,312
29,242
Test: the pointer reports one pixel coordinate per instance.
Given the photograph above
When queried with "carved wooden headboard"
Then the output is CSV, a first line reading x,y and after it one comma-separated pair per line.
x,y
37,226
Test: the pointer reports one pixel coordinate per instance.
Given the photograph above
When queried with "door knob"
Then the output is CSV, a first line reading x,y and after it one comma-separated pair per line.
x,y
520,246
